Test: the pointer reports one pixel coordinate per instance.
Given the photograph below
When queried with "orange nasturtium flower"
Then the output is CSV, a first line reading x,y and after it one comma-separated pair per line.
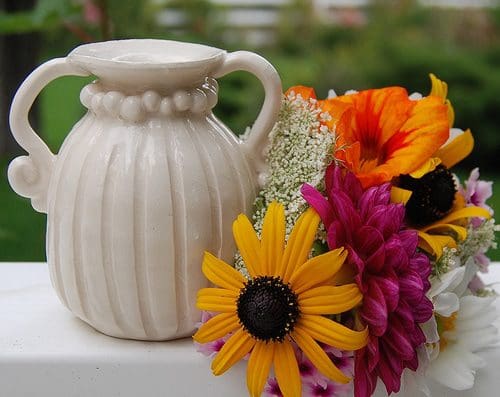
x,y
384,134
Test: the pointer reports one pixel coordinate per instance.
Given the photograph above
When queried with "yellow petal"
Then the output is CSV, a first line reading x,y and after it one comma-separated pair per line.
x,y
217,327
273,238
345,275
236,347
317,356
286,370
459,232
259,366
248,244
399,195
451,112
299,243
317,270
221,274
333,333
218,292
458,149
434,244
330,300
439,87
223,304
467,212
429,166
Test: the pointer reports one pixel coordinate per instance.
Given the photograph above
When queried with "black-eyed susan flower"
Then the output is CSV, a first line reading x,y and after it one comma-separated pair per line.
x,y
283,301
433,204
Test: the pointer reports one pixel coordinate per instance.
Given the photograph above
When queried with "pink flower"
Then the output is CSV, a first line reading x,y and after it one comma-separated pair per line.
x,y
343,360
327,389
476,284
210,348
314,383
389,271
272,388
476,193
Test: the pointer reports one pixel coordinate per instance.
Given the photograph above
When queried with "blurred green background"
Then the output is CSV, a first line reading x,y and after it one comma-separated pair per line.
x,y
325,44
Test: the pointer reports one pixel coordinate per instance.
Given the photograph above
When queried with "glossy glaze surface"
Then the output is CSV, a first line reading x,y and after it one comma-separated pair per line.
x,y
145,182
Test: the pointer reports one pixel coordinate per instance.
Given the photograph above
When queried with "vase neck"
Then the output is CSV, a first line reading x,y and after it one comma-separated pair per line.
x,y
103,100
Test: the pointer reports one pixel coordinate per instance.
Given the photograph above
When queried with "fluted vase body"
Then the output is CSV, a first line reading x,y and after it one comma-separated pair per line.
x,y
144,183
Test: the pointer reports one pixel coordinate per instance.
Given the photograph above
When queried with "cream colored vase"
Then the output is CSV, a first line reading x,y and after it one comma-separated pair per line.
x,y
144,183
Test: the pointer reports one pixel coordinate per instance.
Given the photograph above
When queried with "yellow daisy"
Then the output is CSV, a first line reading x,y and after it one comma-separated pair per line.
x,y
283,301
433,205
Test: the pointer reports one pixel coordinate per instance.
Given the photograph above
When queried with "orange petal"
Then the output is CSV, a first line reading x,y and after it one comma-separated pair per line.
x,y
305,92
423,133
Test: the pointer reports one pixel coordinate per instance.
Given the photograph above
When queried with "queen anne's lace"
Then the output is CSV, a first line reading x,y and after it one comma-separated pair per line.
x,y
300,149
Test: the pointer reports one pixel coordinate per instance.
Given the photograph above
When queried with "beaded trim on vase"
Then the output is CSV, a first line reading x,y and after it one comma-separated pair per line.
x,y
135,108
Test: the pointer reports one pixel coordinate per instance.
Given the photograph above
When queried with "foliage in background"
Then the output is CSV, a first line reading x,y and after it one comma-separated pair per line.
x,y
395,43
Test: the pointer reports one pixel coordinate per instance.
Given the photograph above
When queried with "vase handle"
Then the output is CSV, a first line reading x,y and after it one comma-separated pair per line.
x,y
254,147
29,175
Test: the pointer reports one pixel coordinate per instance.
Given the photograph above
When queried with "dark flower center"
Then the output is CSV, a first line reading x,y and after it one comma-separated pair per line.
x,y
432,197
267,308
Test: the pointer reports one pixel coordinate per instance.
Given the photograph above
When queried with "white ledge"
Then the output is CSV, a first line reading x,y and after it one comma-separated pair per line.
x,y
45,351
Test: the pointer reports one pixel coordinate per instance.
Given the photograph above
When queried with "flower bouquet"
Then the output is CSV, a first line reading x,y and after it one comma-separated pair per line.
x,y
361,262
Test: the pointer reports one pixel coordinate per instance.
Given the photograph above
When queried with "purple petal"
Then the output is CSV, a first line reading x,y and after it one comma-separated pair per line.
x,y
390,288
390,372
319,203
336,236
395,254
409,240
369,241
411,287
364,380
398,340
374,310
386,218
372,352
423,311
346,212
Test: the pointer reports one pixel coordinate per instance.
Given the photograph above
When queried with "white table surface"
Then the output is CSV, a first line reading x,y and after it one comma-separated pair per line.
x,y
45,351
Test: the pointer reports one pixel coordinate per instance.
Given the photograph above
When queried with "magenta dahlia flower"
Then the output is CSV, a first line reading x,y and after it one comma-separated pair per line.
x,y
389,271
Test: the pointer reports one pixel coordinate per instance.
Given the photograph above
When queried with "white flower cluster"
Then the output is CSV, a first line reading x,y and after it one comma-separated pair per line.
x,y
300,149
479,239
448,261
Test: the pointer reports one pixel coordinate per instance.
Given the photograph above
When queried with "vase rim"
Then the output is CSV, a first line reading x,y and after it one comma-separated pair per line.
x,y
144,54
